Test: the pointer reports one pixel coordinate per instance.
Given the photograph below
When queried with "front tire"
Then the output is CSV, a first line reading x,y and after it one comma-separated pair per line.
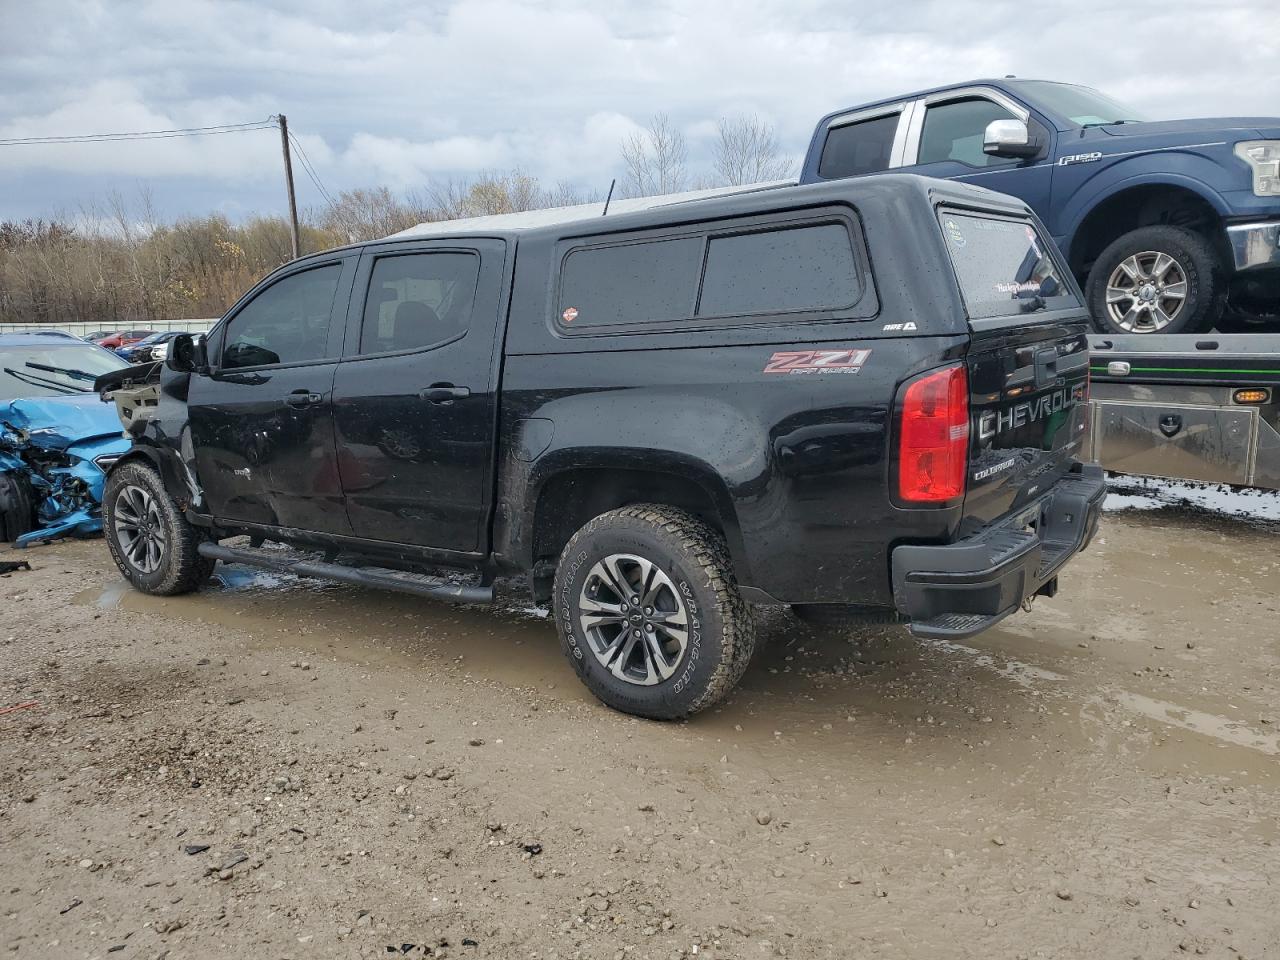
x,y
150,540
649,613
1156,280
17,506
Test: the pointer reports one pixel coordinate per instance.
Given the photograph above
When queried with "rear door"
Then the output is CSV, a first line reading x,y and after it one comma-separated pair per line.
x,y
1028,360
416,391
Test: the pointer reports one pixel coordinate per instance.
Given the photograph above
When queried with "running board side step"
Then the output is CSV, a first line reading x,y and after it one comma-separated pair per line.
x,y
380,579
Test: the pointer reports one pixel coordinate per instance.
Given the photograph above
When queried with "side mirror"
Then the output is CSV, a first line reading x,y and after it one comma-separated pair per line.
x,y
187,354
1010,138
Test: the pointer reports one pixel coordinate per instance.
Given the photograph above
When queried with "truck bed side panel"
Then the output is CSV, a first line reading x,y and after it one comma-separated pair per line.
x,y
793,456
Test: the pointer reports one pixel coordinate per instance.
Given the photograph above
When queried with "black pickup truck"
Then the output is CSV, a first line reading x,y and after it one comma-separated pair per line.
x,y
862,399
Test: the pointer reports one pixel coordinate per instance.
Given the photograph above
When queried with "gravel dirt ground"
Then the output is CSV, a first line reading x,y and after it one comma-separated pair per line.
x,y
278,768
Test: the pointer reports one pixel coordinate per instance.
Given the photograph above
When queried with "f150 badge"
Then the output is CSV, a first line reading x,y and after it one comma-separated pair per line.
x,y
804,362
1080,158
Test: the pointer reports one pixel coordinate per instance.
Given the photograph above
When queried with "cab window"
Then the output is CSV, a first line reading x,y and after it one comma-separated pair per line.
x,y
418,300
955,131
288,322
857,148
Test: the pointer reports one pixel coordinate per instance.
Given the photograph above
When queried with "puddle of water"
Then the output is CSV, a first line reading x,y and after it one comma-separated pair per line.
x,y
1023,674
1223,729
512,641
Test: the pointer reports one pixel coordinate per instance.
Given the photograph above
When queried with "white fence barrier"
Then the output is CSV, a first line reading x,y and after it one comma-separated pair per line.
x,y
84,328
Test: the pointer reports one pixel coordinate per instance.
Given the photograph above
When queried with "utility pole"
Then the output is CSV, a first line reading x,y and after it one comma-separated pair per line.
x,y
288,179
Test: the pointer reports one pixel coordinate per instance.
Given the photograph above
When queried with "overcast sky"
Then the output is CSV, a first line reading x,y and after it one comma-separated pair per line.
x,y
403,93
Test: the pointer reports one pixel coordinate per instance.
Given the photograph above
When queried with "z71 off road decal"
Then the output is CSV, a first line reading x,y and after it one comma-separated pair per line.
x,y
817,361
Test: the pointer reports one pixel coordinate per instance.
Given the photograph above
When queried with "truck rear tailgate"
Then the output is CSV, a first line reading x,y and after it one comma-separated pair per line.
x,y
1028,360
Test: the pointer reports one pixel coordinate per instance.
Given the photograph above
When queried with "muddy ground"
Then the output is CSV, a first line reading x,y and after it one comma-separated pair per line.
x,y
278,768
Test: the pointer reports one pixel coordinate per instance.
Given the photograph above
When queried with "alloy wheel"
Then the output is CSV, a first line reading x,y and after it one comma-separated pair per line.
x,y
635,621
139,529
1146,292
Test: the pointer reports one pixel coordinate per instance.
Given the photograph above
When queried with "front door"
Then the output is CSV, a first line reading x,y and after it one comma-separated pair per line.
x,y
950,147
262,420
414,396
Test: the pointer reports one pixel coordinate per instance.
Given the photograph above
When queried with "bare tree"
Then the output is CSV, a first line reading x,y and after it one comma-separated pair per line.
x,y
748,152
655,159
491,193
370,213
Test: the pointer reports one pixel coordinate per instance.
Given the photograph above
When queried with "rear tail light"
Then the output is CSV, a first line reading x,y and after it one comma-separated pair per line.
x,y
933,453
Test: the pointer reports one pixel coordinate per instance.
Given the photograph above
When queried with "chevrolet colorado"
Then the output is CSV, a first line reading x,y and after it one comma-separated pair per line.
x,y
861,399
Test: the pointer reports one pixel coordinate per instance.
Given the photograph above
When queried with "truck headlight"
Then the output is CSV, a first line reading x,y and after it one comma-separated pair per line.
x,y
1263,157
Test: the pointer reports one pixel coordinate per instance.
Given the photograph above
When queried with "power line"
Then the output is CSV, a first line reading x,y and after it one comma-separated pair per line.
x,y
310,170
144,134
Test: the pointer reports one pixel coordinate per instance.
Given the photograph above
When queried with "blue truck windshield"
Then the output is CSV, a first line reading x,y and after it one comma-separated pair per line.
x,y
1081,105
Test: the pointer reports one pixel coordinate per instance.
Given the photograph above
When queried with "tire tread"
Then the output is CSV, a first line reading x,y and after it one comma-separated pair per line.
x,y
184,569
1206,281
710,554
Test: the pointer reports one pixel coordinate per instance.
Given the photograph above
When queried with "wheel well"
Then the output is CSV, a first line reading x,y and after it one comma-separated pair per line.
x,y
1145,206
569,500
164,471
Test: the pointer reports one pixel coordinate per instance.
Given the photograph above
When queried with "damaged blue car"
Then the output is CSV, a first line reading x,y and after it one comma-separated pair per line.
x,y
57,438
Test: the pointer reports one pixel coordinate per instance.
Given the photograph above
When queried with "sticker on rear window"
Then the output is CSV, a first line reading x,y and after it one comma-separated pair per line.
x,y
805,362
955,233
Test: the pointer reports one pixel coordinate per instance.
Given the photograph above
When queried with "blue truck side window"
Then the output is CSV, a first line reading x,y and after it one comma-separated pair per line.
x,y
857,148
954,131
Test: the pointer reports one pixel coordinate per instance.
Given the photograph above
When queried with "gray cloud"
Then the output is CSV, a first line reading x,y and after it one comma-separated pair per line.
x,y
405,93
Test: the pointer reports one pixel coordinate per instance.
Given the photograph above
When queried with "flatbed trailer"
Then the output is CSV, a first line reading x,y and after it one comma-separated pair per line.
x,y
1203,407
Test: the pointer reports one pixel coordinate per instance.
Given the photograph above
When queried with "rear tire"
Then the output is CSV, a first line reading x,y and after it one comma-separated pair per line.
x,y
1184,296
17,506
649,612
150,540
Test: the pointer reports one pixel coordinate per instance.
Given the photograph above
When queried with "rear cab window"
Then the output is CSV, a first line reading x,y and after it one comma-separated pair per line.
x,y
860,147
1004,265
761,272
418,300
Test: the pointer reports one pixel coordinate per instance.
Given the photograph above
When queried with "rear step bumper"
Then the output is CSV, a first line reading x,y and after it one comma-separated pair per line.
x,y
283,562
951,591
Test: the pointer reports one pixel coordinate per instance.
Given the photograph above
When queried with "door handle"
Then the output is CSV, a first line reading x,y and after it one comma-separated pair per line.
x,y
302,398
444,393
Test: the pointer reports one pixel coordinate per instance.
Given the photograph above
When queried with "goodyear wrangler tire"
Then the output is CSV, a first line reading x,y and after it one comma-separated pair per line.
x,y
649,612
150,540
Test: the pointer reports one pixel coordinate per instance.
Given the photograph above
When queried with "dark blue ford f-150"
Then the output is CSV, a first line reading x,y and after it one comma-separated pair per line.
x,y
1171,227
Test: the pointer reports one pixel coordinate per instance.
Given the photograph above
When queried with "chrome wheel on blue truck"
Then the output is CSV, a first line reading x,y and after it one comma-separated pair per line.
x,y
1156,280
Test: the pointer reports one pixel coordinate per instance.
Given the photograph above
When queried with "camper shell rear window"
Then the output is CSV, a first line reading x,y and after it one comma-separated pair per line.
x,y
1005,266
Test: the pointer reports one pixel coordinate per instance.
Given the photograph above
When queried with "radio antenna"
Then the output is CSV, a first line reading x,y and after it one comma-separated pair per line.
x,y
612,183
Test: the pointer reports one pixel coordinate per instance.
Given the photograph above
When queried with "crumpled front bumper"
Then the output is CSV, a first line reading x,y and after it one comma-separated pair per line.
x,y
955,590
